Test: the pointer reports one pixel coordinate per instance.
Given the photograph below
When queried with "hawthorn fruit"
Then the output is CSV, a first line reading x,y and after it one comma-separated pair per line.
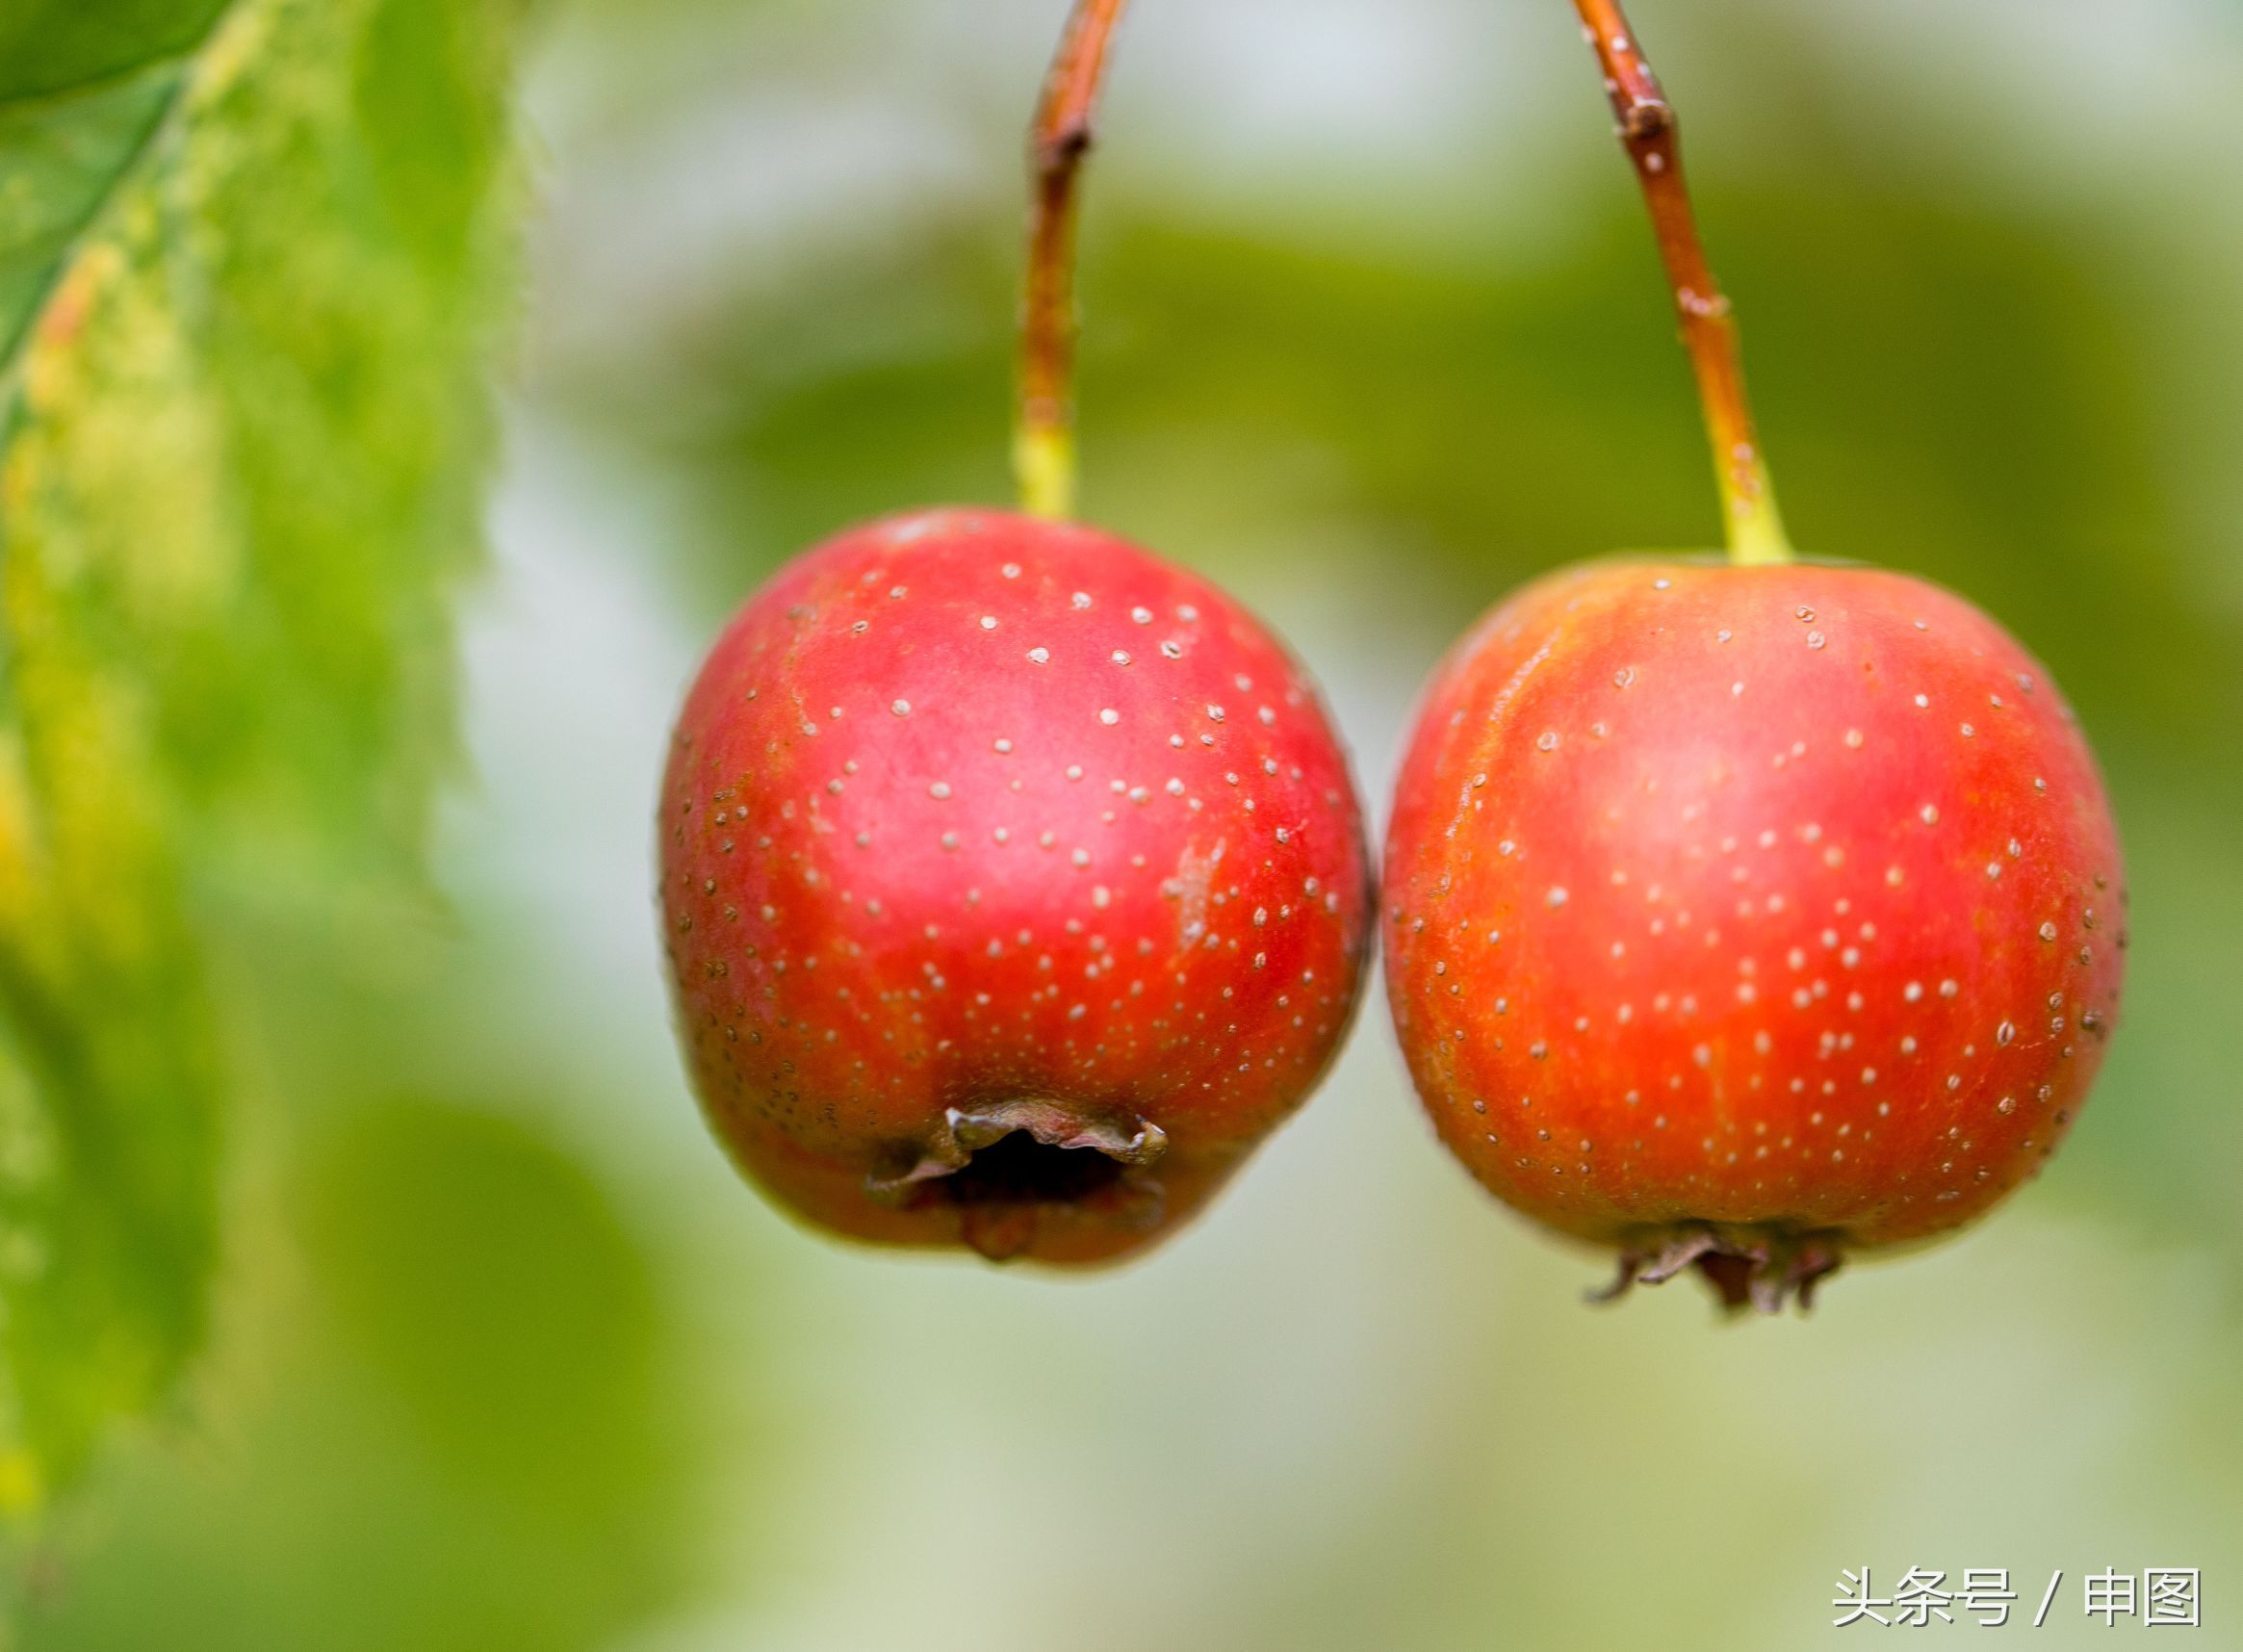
x,y
1746,914
1013,880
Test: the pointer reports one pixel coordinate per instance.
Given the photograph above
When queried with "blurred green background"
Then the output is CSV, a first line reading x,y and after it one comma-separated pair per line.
x,y
506,1358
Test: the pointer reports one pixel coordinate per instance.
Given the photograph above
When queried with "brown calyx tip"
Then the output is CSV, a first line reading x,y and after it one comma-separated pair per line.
x,y
1748,1267
1002,1164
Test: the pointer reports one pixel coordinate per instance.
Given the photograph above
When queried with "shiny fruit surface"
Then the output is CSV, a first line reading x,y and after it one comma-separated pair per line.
x,y
1013,882
1749,916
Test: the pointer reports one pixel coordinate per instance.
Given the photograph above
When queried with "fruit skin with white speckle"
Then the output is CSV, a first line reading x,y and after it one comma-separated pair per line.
x,y
1013,887
1749,916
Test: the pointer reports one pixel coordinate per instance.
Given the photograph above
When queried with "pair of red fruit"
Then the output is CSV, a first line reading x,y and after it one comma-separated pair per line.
x,y
1740,913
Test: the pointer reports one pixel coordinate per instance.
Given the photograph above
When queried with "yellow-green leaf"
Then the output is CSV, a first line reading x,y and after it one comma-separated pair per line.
x,y
247,265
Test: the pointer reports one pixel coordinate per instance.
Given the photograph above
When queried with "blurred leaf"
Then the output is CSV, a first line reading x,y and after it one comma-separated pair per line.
x,y
82,90
467,1441
484,1276
52,48
248,263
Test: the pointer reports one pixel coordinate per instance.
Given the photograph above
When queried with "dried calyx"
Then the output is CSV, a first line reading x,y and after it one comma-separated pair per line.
x,y
1760,1266
1001,1163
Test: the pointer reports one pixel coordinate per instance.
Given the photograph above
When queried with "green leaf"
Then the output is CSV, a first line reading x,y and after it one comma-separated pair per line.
x,y
82,90
471,1432
52,46
249,263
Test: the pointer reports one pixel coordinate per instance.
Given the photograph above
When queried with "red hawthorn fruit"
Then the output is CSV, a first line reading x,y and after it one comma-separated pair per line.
x,y
1013,887
1749,916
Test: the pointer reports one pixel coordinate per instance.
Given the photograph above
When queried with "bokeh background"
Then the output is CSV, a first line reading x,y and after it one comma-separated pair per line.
x,y
506,1358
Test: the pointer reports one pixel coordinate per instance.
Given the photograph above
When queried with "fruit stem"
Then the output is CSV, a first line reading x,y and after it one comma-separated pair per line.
x,y
1058,140
1649,133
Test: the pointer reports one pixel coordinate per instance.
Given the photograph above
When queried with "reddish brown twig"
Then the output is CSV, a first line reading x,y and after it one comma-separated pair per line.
x,y
1044,438
1648,133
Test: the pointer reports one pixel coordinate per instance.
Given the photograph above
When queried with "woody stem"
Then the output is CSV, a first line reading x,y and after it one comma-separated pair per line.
x,y
1649,133
1058,139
